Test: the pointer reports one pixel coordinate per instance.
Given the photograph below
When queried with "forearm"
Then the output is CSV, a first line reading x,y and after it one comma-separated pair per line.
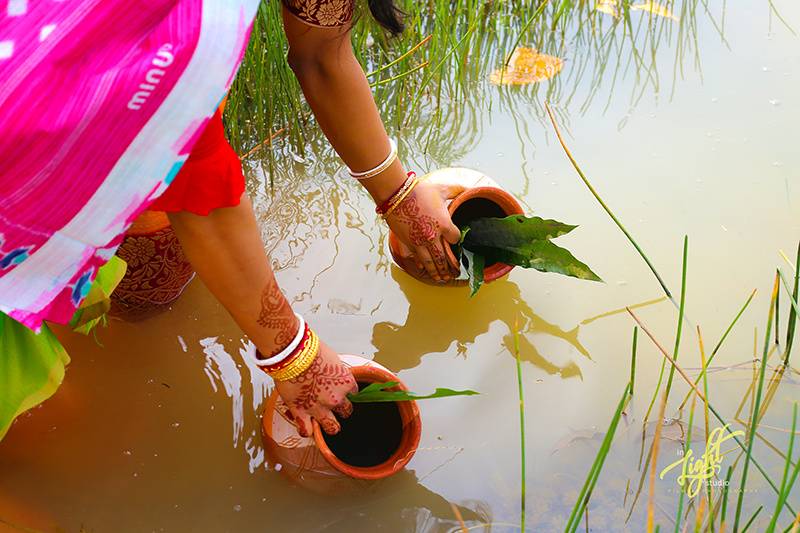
x,y
340,97
225,249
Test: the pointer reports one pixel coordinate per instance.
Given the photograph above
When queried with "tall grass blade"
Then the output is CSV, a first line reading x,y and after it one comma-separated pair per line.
x,y
710,407
597,466
633,355
521,428
686,446
651,498
719,344
752,518
605,207
756,409
786,484
790,328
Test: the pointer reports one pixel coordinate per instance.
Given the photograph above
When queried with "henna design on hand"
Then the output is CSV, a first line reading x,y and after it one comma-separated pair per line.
x,y
318,381
329,426
423,229
344,410
276,314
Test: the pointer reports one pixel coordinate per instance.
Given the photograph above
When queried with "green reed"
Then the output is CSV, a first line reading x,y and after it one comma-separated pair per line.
x,y
432,91
594,472
521,429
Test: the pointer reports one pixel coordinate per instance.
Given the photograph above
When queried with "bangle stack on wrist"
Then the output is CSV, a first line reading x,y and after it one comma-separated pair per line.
x,y
394,201
295,358
383,165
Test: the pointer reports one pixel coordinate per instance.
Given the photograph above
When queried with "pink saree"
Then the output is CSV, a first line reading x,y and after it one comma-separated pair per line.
x,y
100,104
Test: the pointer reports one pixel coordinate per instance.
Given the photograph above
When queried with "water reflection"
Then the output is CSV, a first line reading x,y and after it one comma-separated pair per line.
x,y
460,319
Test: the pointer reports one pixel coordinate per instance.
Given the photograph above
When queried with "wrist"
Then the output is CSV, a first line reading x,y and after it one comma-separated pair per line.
x,y
385,184
273,347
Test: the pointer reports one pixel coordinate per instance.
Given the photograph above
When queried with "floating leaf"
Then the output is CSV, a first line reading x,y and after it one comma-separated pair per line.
x,y
527,65
654,8
609,7
376,392
31,368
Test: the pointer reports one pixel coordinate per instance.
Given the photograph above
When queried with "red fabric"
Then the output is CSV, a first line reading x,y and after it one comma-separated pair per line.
x,y
211,177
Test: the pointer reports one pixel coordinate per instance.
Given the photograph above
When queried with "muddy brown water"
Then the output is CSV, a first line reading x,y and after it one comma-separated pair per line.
x,y
156,426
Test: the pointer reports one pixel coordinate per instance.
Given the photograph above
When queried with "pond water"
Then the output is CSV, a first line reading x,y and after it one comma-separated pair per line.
x,y
156,427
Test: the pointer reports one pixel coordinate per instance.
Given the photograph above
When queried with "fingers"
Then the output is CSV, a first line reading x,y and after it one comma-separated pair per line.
x,y
424,255
451,233
436,249
406,252
344,409
328,423
303,422
450,191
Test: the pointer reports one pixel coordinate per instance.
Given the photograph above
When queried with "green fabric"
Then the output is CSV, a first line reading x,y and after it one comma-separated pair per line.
x,y
31,368
98,301
31,364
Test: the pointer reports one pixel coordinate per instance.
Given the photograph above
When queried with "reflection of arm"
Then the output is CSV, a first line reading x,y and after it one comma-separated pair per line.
x,y
339,95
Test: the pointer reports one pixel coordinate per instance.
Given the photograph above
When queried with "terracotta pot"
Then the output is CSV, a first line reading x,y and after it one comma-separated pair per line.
x,y
482,197
158,271
312,462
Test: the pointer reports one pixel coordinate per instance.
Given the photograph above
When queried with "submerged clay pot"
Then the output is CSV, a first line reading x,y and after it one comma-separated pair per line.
x,y
316,464
158,270
482,197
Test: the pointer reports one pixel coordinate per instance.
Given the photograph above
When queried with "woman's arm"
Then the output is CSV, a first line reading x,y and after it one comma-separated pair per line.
x,y
339,95
225,249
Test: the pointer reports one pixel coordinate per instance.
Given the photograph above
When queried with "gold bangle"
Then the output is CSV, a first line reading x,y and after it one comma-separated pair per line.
x,y
302,362
402,197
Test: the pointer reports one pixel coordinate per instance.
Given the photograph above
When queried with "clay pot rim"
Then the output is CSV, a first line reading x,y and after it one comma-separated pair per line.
x,y
412,429
505,201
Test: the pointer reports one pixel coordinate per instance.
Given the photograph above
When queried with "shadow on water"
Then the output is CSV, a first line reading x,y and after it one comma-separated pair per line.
x,y
425,332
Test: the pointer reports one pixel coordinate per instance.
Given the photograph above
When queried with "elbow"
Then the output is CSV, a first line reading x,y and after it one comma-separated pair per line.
x,y
316,65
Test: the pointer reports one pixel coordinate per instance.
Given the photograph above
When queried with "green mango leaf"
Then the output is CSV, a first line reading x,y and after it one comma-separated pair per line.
x,y
521,241
512,232
376,392
474,264
544,256
31,368
97,303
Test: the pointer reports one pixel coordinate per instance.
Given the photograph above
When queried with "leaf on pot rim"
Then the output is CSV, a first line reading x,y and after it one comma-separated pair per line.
x,y
375,392
474,264
543,256
521,241
514,230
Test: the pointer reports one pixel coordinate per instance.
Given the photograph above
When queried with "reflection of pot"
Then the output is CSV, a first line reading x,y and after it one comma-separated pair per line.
x,y
388,435
482,197
158,270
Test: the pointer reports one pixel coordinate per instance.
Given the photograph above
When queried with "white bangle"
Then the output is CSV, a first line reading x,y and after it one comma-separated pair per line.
x,y
286,352
386,163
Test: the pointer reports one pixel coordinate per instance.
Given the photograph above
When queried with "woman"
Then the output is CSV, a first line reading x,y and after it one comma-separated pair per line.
x,y
214,220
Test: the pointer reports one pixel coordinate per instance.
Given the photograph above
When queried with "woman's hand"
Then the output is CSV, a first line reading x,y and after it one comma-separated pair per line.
x,y
421,222
319,392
